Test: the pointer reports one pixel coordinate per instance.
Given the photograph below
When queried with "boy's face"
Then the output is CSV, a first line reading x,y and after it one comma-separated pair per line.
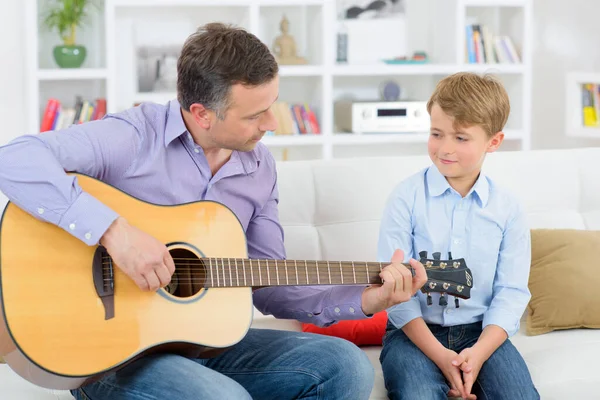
x,y
458,154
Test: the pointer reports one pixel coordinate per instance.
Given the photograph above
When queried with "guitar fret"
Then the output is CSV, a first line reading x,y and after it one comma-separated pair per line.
x,y
277,272
212,281
329,271
296,266
268,273
218,272
244,269
259,274
353,272
223,265
251,272
367,269
287,279
230,278
306,268
341,273
236,272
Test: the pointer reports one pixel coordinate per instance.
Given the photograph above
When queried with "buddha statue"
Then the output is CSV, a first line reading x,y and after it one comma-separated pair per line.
x,y
284,46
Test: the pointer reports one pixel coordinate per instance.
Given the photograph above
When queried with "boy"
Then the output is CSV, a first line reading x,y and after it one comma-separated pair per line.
x,y
432,352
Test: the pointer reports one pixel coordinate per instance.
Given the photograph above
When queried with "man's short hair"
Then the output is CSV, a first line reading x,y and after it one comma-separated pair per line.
x,y
216,57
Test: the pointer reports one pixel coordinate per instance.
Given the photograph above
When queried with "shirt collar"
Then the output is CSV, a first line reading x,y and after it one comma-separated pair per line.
x,y
176,127
438,185
482,189
436,182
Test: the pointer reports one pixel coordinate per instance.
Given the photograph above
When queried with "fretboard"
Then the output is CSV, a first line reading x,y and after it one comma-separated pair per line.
x,y
236,272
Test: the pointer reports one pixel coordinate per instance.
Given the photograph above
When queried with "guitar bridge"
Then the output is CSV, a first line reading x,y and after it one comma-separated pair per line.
x,y
104,280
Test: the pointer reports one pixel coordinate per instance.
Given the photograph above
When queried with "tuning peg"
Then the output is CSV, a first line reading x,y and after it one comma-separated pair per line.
x,y
436,255
423,254
456,302
449,255
443,301
429,300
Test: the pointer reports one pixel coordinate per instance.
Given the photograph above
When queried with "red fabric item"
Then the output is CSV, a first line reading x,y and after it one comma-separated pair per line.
x,y
361,332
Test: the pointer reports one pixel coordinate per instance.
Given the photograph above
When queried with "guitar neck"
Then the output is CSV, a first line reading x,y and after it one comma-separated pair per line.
x,y
238,272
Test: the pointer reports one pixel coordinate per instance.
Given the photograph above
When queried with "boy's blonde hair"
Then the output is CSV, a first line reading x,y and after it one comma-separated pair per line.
x,y
472,100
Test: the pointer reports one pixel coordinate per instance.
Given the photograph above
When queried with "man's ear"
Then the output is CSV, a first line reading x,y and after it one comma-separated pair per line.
x,y
495,142
201,115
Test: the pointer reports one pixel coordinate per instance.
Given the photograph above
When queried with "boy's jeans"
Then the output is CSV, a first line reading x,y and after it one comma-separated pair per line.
x,y
266,364
410,374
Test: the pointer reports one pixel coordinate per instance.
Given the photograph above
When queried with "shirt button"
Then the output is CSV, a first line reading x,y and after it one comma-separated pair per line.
x,y
40,210
72,227
196,151
456,241
88,236
352,310
310,315
337,310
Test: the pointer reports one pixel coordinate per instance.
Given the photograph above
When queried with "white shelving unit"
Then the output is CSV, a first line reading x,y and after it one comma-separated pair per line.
x,y
434,26
574,126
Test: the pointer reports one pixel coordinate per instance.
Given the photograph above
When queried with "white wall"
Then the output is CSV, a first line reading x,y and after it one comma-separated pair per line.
x,y
565,38
12,82
12,74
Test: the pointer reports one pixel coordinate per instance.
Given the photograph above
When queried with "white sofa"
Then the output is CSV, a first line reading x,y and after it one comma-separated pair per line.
x,y
331,211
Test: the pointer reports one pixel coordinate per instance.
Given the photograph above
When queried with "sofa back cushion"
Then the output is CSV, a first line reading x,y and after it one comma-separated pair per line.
x,y
331,210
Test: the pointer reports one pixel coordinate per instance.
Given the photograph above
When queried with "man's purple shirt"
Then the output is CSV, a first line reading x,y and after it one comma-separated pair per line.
x,y
148,153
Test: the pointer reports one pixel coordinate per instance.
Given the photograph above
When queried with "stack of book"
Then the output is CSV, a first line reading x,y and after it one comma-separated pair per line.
x,y
295,119
485,48
56,116
590,103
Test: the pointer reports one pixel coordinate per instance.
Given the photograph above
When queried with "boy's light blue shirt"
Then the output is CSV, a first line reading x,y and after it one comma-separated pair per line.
x,y
487,228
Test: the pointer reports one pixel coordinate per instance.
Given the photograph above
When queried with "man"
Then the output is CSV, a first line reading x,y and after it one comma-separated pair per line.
x,y
204,146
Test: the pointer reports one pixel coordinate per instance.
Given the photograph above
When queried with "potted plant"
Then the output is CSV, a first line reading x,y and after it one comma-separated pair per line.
x,y
65,16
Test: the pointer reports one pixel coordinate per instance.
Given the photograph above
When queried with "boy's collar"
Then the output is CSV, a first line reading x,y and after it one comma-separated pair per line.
x,y
438,185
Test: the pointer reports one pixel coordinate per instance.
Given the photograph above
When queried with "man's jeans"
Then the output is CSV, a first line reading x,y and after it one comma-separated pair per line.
x,y
410,374
266,364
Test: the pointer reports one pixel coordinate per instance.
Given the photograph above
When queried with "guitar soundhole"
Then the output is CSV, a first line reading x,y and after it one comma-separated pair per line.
x,y
190,274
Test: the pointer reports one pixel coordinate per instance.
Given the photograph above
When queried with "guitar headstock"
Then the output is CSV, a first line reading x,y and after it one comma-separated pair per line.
x,y
446,276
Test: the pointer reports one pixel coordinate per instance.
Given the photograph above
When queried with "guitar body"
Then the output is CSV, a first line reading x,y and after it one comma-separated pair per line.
x,y
55,330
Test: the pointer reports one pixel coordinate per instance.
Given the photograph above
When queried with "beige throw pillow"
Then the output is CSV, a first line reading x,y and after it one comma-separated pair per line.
x,y
564,280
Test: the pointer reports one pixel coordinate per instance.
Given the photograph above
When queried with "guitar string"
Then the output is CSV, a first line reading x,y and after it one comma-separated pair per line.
x,y
220,261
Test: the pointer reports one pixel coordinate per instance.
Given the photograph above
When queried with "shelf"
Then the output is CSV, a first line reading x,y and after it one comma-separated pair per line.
x,y
425,69
180,3
383,138
154,97
584,132
378,138
293,140
72,74
495,3
300,70
287,3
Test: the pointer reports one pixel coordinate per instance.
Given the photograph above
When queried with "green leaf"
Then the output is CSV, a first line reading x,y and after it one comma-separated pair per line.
x,y
61,15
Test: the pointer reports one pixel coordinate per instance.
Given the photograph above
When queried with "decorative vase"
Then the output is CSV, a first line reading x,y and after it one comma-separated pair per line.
x,y
69,56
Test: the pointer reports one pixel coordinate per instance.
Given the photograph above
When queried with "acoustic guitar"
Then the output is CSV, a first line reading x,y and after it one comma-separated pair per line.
x,y
69,315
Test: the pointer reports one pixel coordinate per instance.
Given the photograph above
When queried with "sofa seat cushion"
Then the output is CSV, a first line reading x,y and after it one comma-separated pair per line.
x,y
561,363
